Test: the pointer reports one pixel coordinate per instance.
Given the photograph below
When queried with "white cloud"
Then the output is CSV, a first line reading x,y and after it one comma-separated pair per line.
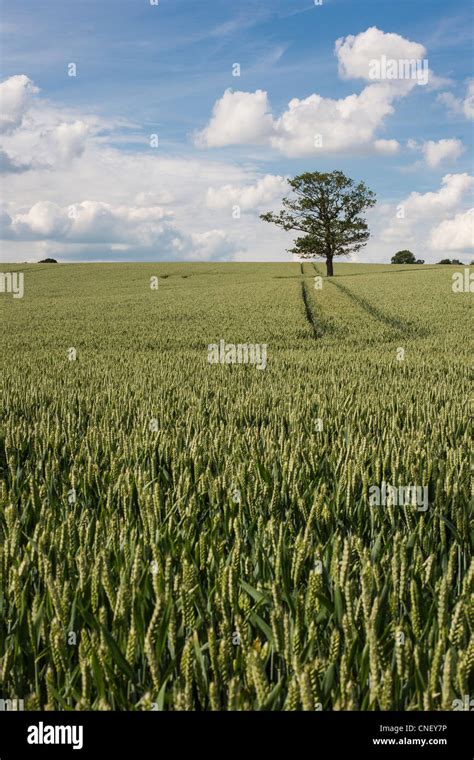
x,y
157,188
89,221
435,152
69,139
424,208
34,133
43,220
455,186
355,52
213,244
308,126
265,191
84,197
15,97
387,147
237,118
10,164
336,125
464,106
315,123
455,234
156,198
119,230
412,222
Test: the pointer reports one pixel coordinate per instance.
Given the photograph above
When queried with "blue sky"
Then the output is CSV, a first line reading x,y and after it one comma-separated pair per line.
x,y
144,69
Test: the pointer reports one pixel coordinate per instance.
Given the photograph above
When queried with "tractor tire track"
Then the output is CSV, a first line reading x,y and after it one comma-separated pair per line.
x,y
400,326
310,315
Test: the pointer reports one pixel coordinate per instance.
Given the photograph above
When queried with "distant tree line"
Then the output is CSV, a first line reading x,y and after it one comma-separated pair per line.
x,y
407,257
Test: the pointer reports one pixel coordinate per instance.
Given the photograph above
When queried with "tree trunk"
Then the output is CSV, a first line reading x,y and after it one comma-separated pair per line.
x,y
329,268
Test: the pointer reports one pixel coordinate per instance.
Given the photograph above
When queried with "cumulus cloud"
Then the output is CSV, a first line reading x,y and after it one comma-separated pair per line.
x,y
237,118
90,221
212,244
329,125
70,156
455,234
412,222
387,147
454,187
316,123
16,94
66,158
265,191
307,126
356,52
435,152
34,133
50,147
11,165
463,106
426,207
69,139
116,229
154,198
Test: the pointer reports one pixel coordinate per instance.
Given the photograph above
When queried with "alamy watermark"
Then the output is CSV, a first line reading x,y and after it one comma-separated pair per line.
x,y
393,496
463,282
399,68
12,282
46,734
237,353
466,703
11,705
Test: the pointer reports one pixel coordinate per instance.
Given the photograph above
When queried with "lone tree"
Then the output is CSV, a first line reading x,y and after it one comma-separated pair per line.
x,y
405,257
328,208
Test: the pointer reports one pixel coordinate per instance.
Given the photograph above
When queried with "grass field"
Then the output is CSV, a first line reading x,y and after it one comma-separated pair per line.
x,y
183,535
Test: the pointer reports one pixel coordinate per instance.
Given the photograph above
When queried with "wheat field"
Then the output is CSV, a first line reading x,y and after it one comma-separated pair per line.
x,y
180,535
